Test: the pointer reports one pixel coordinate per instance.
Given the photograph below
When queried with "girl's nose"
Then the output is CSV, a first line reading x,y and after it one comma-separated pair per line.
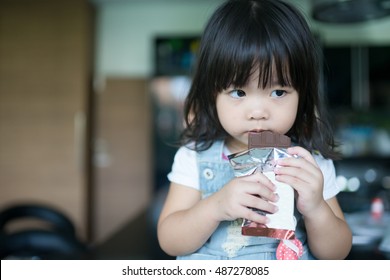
x,y
257,111
257,115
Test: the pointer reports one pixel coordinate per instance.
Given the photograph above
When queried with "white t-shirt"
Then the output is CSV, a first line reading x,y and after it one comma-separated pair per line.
x,y
185,171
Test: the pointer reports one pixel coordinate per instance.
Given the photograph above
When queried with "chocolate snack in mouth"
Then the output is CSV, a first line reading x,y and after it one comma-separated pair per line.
x,y
268,139
264,149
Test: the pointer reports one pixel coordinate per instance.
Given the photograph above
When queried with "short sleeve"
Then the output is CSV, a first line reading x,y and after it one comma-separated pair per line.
x,y
184,168
331,188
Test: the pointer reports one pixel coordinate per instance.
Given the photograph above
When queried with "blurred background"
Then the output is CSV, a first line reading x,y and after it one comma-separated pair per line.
x,y
90,109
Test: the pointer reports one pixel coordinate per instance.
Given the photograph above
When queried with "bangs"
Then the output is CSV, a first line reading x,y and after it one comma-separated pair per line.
x,y
272,65
251,39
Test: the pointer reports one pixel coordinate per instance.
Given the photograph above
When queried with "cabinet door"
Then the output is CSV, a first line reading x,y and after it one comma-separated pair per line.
x,y
44,49
123,170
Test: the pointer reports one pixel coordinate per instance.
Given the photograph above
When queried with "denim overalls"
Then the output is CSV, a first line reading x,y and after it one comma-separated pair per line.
x,y
227,242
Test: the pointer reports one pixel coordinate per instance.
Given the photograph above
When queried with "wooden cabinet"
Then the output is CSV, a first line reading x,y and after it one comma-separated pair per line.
x,y
45,67
122,167
47,109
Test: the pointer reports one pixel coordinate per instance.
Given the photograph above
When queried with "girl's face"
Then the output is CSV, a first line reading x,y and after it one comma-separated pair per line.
x,y
250,108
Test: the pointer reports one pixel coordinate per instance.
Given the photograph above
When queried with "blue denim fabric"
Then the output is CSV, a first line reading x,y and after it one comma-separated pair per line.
x,y
227,242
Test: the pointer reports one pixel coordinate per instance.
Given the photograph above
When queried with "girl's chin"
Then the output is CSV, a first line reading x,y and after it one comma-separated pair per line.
x,y
237,145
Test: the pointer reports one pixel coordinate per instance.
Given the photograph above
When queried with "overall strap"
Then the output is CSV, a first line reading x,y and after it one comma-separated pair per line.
x,y
212,154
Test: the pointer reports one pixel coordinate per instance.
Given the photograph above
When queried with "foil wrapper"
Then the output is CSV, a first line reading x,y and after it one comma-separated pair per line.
x,y
282,223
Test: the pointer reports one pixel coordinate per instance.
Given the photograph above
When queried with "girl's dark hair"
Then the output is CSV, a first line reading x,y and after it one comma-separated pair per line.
x,y
241,36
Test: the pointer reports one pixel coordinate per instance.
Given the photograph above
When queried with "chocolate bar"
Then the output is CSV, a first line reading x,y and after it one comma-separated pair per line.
x,y
268,139
265,148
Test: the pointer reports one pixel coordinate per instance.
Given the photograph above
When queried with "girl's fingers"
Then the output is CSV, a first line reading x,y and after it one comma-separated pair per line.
x,y
260,179
252,215
259,203
303,167
298,172
302,153
258,185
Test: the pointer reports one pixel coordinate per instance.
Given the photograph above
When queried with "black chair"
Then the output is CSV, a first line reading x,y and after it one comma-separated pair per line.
x,y
57,240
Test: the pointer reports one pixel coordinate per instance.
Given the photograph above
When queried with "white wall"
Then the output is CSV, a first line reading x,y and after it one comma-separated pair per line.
x,y
126,28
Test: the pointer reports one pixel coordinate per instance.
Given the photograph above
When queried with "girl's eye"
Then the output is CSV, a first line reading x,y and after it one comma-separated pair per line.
x,y
237,93
278,93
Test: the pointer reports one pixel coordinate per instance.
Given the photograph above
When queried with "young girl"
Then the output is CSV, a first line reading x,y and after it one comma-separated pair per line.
x,y
257,70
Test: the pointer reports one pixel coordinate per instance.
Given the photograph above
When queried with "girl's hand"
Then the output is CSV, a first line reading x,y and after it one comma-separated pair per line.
x,y
255,191
304,175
